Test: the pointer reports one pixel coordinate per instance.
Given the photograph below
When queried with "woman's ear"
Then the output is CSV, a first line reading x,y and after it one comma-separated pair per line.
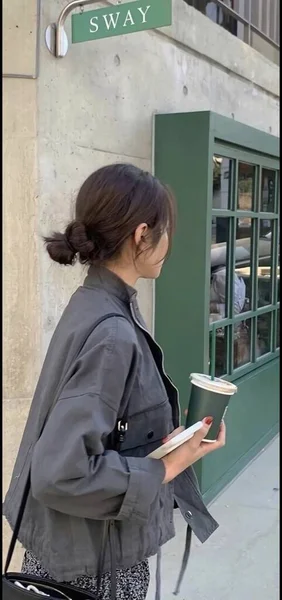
x,y
140,234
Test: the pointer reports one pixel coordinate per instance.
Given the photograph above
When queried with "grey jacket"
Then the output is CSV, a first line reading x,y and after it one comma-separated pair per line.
x,y
77,480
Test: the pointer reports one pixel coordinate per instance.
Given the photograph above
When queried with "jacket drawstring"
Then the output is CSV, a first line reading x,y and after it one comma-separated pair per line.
x,y
183,566
184,560
158,575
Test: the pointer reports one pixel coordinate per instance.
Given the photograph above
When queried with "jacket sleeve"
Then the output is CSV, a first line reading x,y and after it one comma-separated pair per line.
x,y
71,472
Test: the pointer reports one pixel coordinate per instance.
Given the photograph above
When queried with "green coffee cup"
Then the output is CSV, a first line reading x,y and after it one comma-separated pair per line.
x,y
209,398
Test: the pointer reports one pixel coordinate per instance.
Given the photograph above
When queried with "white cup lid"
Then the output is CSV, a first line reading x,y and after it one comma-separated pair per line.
x,y
214,385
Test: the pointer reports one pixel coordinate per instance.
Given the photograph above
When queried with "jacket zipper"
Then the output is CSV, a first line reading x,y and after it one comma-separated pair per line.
x,y
162,356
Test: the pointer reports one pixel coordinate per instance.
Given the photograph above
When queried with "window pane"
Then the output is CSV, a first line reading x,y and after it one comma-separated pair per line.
x,y
221,182
263,334
219,257
278,266
242,288
220,352
265,229
242,8
244,228
265,48
278,329
255,14
242,343
264,20
246,187
267,190
227,21
277,37
264,272
220,233
272,19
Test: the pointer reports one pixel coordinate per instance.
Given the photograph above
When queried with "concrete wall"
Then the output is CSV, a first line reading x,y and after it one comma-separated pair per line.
x,y
96,107
92,108
22,312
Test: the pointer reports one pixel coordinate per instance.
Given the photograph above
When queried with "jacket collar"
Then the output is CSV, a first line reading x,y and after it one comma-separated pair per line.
x,y
100,277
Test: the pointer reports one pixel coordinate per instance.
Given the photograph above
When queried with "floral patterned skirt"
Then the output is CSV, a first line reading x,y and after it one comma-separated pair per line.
x,y
132,584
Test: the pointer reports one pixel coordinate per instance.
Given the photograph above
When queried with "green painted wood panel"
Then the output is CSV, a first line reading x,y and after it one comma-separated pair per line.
x,y
184,145
251,421
181,320
239,134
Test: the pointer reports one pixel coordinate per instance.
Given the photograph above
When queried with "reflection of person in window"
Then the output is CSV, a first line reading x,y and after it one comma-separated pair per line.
x,y
218,15
214,12
218,293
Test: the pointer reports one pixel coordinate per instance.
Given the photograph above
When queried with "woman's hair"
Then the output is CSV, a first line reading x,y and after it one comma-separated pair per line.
x,y
110,205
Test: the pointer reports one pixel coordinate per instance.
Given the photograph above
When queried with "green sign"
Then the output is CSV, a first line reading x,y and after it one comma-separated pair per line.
x,y
118,20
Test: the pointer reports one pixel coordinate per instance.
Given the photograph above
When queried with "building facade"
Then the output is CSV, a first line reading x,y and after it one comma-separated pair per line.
x,y
64,118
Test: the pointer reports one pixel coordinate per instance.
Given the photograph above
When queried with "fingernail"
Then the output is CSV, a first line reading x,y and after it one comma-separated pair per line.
x,y
208,420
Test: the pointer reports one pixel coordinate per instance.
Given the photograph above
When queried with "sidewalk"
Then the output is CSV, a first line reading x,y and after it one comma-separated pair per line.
x,y
240,560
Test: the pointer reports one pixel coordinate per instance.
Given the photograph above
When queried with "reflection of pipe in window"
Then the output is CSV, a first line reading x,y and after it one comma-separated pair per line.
x,y
265,197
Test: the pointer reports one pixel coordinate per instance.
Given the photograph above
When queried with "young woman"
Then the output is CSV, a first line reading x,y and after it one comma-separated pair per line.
x,y
105,402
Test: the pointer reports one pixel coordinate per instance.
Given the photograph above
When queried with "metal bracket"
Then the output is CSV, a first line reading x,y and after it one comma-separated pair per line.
x,y
55,35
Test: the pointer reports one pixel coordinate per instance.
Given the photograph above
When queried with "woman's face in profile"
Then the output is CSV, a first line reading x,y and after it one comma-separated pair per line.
x,y
150,260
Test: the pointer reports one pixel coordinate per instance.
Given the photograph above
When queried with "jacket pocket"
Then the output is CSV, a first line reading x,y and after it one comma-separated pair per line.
x,y
146,429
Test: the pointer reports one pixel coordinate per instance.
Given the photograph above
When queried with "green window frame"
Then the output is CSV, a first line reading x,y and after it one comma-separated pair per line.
x,y
184,147
223,331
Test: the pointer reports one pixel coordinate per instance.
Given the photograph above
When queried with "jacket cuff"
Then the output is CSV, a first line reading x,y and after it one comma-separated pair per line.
x,y
146,477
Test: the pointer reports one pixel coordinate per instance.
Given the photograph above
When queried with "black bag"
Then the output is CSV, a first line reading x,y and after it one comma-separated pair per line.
x,y
16,586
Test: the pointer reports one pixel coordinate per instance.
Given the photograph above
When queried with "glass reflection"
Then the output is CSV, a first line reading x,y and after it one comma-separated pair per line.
x,y
242,291
246,187
264,270
218,280
242,343
221,182
263,334
220,352
267,191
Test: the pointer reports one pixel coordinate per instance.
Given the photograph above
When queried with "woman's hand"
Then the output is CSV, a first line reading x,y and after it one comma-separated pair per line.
x,y
173,434
186,455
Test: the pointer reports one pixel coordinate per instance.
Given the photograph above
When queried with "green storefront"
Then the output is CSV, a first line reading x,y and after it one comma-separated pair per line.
x,y
218,300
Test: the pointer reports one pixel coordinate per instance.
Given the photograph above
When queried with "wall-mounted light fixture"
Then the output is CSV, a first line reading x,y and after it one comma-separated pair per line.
x,y
55,35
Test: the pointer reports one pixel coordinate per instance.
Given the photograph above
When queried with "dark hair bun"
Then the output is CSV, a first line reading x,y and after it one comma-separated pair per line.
x,y
110,205
63,247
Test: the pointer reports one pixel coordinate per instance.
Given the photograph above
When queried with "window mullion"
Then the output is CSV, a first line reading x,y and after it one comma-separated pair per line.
x,y
257,197
231,267
274,263
273,332
213,353
274,283
255,264
276,201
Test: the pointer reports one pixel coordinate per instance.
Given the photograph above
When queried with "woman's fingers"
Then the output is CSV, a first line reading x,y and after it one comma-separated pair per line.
x,y
220,442
198,437
173,434
221,438
191,451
